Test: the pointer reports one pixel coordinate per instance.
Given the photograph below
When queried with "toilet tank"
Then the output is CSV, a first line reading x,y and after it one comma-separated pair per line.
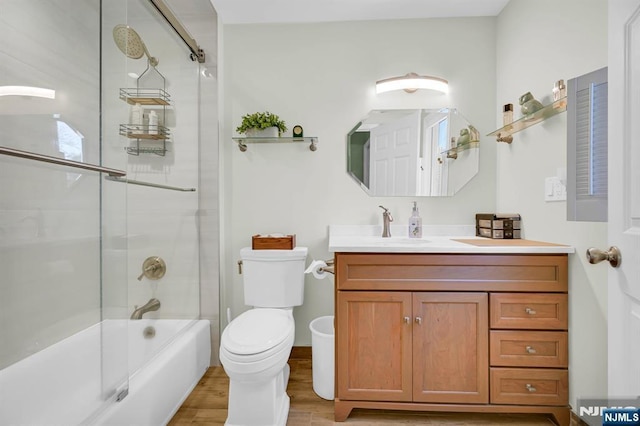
x,y
273,278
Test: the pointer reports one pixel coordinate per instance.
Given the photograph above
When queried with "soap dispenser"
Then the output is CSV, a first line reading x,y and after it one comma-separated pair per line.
x,y
415,223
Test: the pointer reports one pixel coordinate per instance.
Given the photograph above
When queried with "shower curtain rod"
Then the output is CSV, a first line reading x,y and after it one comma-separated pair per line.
x,y
153,185
197,54
60,161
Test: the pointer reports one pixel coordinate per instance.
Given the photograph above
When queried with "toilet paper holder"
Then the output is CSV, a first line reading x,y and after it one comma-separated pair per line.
x,y
330,267
320,269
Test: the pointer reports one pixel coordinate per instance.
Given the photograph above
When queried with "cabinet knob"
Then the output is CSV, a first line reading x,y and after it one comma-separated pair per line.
x,y
530,388
530,350
407,320
418,320
530,311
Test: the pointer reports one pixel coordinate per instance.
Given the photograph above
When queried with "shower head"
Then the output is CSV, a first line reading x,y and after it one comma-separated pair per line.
x,y
130,43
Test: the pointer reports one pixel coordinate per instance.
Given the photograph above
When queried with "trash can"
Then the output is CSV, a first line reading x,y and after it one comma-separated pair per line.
x,y
322,356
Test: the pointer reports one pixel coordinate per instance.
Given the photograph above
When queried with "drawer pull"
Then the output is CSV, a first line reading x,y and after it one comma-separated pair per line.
x,y
530,388
530,350
530,311
418,320
407,320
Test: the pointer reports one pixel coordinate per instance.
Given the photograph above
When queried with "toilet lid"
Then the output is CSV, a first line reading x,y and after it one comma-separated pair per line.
x,y
257,330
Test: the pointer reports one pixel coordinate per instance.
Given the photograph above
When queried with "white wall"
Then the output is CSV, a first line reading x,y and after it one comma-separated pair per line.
x,y
322,77
539,43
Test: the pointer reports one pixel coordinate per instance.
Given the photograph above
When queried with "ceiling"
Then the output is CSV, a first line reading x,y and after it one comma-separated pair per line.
x,y
289,11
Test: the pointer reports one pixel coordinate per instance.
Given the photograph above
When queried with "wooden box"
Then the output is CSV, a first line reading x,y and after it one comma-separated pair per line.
x,y
497,225
269,242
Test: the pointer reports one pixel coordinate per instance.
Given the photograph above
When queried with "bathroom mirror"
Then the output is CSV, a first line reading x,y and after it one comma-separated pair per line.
x,y
413,152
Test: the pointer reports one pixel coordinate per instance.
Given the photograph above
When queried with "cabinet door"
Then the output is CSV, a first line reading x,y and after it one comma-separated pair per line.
x,y
450,337
374,346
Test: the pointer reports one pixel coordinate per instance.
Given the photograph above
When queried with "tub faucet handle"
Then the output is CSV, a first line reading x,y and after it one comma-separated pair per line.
x,y
153,268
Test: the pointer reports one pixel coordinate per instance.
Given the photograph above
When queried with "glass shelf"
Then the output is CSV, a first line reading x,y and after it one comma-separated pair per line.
x,y
453,152
503,134
243,141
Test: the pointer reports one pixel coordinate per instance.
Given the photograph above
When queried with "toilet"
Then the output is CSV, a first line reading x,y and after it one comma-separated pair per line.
x,y
255,346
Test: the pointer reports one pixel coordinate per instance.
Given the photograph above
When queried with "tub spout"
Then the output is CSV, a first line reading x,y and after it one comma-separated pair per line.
x,y
151,305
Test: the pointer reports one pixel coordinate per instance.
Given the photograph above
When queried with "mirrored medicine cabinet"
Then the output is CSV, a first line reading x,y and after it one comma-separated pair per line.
x,y
413,152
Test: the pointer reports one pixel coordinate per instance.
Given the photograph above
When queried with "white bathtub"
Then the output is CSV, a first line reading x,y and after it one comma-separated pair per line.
x,y
71,383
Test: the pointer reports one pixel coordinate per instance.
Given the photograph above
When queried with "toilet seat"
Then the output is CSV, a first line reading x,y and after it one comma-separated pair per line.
x,y
258,334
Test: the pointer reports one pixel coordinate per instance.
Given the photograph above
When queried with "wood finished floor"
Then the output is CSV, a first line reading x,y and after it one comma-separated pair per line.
x,y
207,405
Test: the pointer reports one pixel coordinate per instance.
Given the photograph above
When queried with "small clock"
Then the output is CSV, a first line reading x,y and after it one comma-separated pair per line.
x,y
297,131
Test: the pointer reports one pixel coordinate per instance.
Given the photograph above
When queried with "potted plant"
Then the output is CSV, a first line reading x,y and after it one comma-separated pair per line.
x,y
261,124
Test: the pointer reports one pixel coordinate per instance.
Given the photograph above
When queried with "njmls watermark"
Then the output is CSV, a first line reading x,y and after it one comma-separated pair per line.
x,y
609,412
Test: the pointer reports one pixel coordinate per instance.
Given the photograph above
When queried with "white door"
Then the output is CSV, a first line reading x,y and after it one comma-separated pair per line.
x,y
394,156
624,198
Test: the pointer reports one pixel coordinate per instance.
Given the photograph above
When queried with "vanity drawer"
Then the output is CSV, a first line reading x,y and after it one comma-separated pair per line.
x,y
546,311
529,386
451,272
529,349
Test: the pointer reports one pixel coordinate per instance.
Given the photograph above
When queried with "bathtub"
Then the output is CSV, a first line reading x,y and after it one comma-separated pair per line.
x,y
70,383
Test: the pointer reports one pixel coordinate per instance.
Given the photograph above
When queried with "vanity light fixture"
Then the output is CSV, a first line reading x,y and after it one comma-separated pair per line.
x,y
412,82
38,92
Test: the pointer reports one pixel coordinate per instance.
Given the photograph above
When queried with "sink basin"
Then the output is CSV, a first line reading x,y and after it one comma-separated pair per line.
x,y
400,240
369,239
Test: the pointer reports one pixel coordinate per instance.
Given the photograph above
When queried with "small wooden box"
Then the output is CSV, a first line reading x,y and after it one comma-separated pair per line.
x,y
268,242
497,225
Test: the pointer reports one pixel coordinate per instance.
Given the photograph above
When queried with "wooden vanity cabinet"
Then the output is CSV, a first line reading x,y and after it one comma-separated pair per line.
x,y
404,346
452,332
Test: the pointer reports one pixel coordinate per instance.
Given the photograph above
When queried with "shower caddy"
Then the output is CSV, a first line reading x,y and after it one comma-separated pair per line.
x,y
149,92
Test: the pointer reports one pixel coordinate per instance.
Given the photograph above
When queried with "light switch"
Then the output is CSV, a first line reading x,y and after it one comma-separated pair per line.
x,y
554,189
548,187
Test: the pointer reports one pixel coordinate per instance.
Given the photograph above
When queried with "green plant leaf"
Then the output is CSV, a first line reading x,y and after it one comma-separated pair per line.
x,y
261,120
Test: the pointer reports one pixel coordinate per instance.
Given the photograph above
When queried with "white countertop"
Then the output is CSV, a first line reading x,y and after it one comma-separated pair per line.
x,y
435,239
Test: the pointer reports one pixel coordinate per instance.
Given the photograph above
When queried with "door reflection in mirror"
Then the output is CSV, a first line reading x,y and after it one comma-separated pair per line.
x,y
413,152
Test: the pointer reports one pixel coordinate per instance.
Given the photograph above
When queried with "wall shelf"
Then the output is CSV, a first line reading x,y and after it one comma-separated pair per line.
x,y
453,152
243,141
504,134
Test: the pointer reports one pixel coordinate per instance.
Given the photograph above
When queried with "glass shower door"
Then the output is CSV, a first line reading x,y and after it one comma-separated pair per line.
x,y
63,296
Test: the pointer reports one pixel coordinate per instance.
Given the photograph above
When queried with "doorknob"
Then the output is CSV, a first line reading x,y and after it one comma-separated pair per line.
x,y
613,256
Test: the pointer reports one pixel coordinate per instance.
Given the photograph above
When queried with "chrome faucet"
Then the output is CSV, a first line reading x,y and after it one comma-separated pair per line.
x,y
386,220
151,305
